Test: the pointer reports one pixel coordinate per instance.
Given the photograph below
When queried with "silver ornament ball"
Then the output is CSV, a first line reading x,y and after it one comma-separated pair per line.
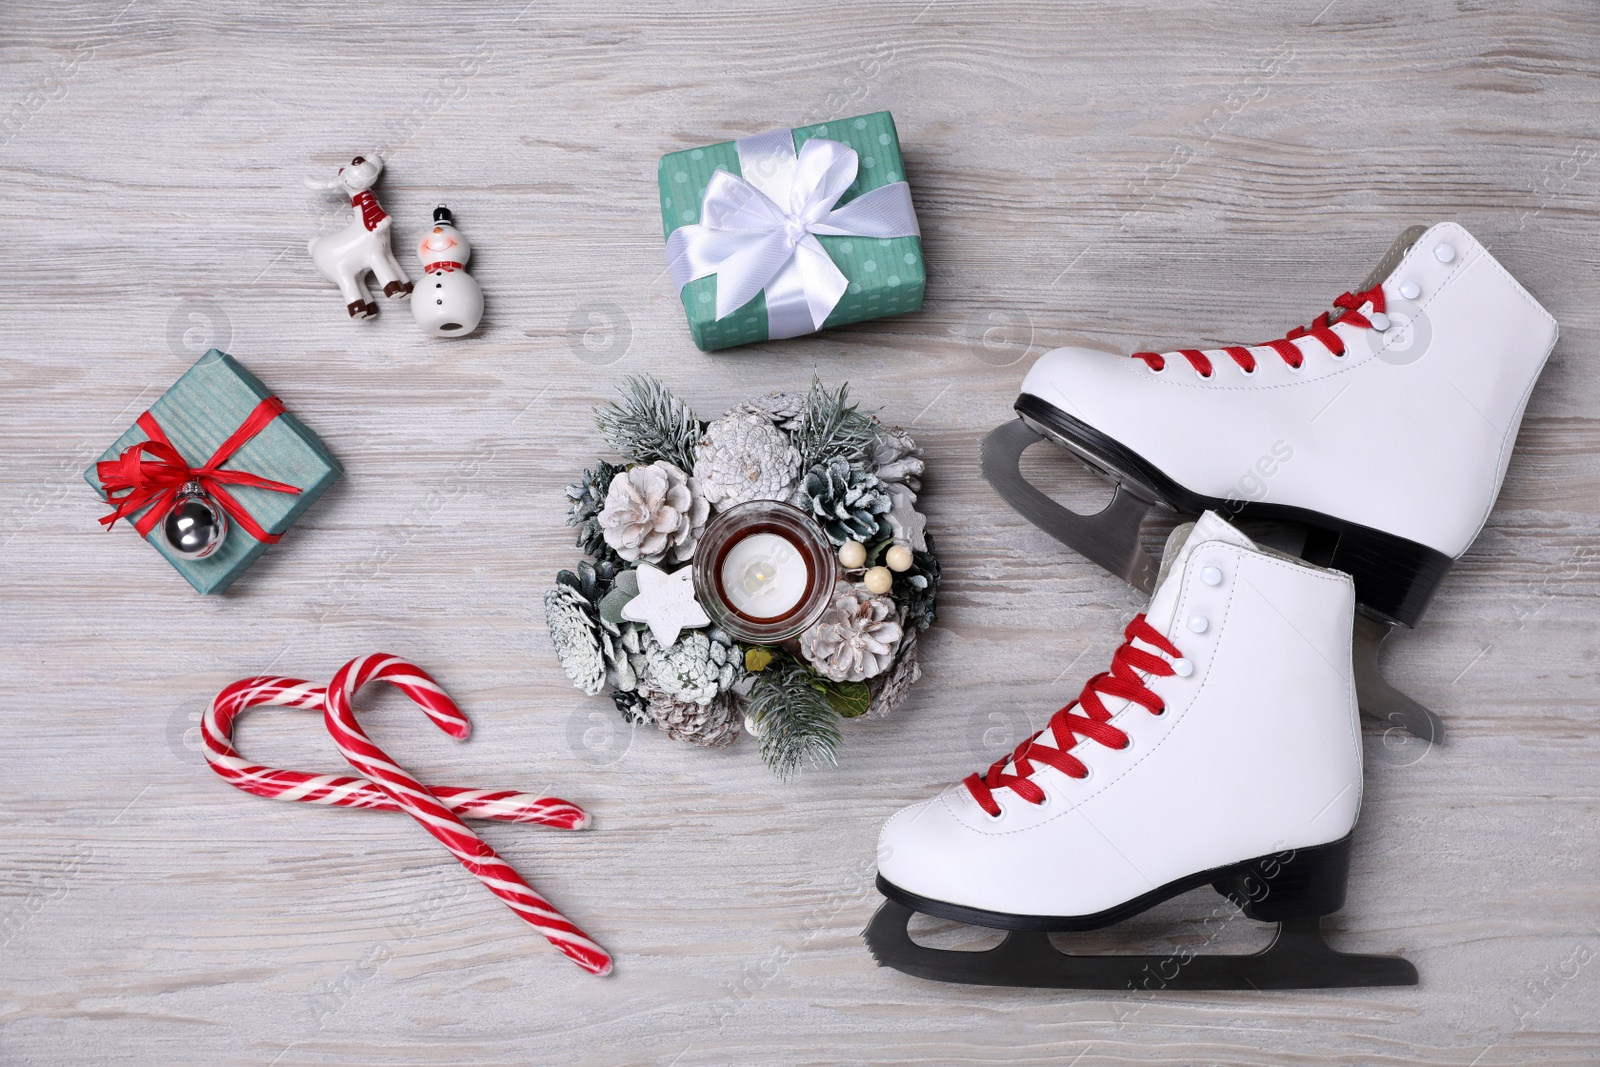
x,y
195,527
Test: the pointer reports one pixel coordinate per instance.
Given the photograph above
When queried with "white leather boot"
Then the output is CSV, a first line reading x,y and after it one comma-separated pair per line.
x,y
1383,429
1221,748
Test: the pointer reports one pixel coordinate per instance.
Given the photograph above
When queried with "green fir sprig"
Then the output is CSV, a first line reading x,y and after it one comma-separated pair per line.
x,y
789,704
832,426
649,423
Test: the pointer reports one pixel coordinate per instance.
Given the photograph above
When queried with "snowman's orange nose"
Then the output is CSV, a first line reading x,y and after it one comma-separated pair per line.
x,y
438,229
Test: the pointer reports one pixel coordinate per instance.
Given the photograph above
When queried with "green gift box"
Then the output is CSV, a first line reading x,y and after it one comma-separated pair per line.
x,y
202,411
859,247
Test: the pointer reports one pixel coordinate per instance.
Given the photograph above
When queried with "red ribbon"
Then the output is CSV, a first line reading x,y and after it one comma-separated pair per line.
x,y
150,474
444,266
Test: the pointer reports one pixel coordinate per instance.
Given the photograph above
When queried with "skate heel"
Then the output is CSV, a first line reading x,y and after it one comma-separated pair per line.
x,y
1292,884
1395,578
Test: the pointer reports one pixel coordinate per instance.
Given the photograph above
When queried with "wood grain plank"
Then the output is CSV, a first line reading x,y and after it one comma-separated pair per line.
x,y
1086,173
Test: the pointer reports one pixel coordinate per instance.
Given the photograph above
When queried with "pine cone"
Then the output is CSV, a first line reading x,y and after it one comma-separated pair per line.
x,y
896,459
695,669
588,500
847,502
573,630
654,513
632,707
744,457
891,687
621,643
785,410
856,637
713,725
916,589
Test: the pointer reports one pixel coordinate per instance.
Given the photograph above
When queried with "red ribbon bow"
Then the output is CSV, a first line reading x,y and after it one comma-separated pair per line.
x,y
443,265
150,474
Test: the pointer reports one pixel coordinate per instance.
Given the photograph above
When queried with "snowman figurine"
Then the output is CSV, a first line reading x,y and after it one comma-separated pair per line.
x,y
447,301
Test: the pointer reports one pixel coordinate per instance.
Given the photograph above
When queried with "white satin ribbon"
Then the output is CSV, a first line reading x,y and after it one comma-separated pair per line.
x,y
759,231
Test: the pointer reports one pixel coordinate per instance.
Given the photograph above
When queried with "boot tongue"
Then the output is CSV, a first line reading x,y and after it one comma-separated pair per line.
x,y
1180,546
1169,583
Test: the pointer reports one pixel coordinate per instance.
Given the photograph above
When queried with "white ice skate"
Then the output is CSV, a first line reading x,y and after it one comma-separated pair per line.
x,y
1383,429
1221,749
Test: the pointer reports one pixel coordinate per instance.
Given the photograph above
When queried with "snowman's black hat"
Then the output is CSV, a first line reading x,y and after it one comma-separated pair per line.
x,y
442,214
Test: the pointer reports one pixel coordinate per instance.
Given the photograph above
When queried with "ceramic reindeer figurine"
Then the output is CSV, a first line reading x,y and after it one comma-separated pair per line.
x,y
346,256
449,304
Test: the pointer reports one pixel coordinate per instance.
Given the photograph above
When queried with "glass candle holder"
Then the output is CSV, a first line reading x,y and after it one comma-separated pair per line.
x,y
763,571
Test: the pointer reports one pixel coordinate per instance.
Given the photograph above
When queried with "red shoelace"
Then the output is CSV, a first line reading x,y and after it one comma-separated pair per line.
x,y
1122,680
1320,328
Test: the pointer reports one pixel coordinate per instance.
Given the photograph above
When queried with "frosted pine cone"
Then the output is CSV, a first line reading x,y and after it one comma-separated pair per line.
x,y
856,637
786,410
898,464
694,670
891,687
572,629
743,457
621,644
847,502
897,460
713,725
653,513
588,499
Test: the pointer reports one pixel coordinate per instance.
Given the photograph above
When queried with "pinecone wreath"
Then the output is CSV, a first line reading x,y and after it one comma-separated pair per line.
x,y
744,457
645,518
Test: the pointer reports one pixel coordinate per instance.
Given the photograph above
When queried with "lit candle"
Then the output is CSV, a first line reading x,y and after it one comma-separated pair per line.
x,y
763,571
764,575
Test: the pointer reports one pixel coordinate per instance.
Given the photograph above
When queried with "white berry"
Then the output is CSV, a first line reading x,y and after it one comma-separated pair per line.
x,y
852,554
898,558
878,580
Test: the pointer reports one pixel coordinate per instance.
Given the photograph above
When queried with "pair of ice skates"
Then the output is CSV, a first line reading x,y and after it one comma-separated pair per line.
x,y
1222,747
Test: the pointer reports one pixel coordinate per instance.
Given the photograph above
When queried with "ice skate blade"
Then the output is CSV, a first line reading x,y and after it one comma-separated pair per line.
x,y
1380,700
1298,958
1109,537
1395,577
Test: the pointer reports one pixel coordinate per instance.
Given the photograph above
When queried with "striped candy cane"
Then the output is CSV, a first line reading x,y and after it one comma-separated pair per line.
x,y
216,735
416,800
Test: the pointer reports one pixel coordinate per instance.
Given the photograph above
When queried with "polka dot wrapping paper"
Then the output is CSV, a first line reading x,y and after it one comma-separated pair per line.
x,y
886,274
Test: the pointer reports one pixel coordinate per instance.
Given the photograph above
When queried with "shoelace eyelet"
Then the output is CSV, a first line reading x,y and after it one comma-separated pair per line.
x,y
1249,373
1045,803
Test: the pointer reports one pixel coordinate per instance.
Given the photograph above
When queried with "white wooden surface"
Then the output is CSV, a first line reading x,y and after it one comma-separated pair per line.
x,y
1095,172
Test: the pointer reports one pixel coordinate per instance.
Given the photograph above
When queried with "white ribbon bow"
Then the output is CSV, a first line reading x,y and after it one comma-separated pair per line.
x,y
759,231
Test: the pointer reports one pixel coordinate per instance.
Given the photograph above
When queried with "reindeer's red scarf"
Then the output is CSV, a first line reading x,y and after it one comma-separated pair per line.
x,y
371,212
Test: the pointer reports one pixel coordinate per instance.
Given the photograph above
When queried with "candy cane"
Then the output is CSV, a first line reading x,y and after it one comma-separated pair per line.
x,y
216,734
417,801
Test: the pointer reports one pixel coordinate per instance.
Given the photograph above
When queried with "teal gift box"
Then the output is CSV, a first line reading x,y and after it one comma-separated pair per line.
x,y
882,275
201,411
